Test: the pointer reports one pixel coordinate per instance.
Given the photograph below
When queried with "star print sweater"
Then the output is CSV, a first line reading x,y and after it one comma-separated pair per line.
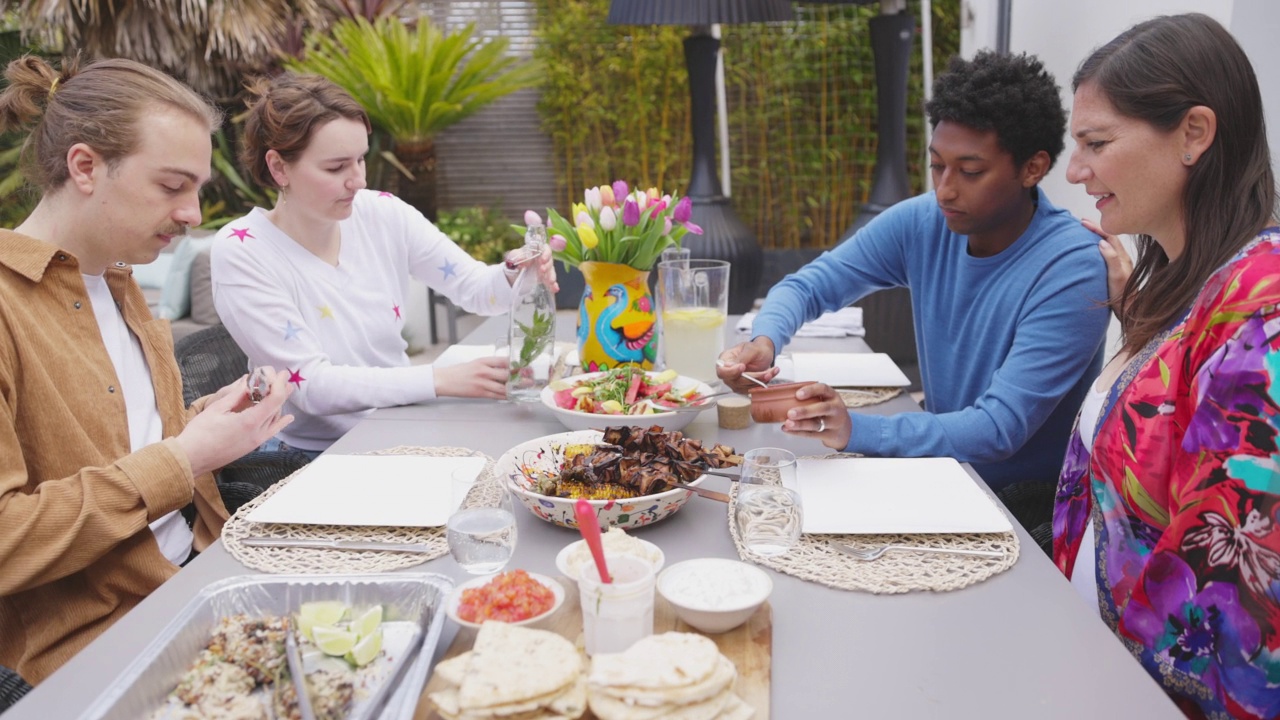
x,y
336,330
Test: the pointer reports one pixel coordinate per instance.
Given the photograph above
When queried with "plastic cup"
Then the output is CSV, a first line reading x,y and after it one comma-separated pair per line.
x,y
694,297
616,615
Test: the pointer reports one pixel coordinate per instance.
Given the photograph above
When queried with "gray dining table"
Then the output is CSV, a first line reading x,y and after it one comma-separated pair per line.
x,y
1022,644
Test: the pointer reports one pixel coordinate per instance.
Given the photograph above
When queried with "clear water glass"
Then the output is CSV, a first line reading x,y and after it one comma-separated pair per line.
x,y
770,466
481,532
769,518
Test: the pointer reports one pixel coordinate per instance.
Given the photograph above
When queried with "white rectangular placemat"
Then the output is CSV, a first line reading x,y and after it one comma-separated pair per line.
x,y
848,369
381,490
858,496
458,354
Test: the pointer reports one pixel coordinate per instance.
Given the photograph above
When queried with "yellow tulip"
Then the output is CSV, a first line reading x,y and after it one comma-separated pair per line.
x,y
588,236
579,208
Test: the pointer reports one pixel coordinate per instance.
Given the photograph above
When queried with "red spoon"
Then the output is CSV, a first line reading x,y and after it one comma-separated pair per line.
x,y
590,529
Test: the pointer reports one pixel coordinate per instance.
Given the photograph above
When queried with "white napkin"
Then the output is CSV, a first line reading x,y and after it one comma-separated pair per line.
x,y
846,322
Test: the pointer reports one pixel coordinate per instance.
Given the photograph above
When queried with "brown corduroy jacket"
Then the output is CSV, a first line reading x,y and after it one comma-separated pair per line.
x,y
76,552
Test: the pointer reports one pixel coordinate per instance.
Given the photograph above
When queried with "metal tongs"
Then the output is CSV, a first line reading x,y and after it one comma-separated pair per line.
x,y
376,703
294,659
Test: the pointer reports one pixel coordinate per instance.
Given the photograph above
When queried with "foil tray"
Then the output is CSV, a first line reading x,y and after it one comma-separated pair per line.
x,y
145,684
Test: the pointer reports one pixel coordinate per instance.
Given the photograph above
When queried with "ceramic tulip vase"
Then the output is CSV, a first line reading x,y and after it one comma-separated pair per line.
x,y
616,318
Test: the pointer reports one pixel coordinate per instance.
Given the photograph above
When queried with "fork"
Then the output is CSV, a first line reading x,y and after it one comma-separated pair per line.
x,y
875,553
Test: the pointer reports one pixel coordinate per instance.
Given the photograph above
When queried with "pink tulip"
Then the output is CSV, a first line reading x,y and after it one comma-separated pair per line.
x,y
631,213
532,219
666,225
606,196
693,228
658,207
684,209
558,243
620,189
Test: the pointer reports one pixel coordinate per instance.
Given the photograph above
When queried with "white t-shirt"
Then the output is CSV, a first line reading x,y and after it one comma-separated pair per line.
x,y
1084,577
336,331
145,425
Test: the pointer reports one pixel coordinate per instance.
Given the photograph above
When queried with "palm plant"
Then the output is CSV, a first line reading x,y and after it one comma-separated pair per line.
x,y
414,82
209,44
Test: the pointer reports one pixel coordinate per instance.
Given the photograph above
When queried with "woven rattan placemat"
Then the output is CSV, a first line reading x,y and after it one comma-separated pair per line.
x,y
862,397
334,561
815,560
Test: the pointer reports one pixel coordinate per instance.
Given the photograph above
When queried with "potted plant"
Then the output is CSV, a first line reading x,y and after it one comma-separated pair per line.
x,y
414,82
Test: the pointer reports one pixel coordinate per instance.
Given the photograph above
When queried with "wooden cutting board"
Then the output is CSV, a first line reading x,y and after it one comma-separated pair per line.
x,y
749,646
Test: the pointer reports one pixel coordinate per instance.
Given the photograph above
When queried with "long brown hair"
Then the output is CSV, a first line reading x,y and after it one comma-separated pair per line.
x,y
1155,72
99,105
285,114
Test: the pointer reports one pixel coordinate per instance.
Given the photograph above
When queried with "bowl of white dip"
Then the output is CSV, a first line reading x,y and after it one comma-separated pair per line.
x,y
714,595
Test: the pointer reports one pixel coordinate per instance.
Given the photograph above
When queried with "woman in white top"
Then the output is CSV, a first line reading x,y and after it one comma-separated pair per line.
x,y
317,285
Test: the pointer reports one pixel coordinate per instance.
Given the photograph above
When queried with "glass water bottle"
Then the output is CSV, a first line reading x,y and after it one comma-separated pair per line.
x,y
531,335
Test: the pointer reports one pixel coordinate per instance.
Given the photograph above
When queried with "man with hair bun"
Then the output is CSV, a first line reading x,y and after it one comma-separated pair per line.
x,y
1008,293
98,456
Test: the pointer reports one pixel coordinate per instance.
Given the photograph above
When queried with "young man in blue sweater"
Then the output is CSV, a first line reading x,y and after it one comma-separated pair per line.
x,y
1007,289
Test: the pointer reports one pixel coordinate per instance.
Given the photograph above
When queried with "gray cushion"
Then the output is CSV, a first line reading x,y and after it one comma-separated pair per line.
x,y
202,310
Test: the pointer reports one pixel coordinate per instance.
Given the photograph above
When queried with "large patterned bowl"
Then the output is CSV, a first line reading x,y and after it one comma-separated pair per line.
x,y
521,465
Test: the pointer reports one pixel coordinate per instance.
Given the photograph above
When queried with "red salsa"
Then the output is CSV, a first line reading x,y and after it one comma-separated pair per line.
x,y
510,597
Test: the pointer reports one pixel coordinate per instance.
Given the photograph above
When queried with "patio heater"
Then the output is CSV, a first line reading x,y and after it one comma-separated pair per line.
x,y
891,35
724,237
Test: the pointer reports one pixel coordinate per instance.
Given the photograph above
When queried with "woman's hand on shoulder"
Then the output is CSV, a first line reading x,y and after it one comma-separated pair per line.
x,y
1119,264
481,378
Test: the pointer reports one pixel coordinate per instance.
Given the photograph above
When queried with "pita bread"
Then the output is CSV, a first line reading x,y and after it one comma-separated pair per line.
x,y
514,666
722,678
736,709
453,669
608,708
665,661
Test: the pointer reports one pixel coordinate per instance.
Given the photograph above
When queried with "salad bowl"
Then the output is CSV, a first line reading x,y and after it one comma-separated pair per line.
x,y
520,467
665,399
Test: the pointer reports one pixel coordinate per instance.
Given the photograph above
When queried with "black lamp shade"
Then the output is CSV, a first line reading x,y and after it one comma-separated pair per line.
x,y
697,12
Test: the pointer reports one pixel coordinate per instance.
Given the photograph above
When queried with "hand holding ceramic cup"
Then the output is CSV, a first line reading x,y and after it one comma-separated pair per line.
x,y
481,535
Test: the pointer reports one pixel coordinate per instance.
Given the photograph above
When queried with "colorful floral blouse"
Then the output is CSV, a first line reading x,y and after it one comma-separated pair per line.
x,y
1183,487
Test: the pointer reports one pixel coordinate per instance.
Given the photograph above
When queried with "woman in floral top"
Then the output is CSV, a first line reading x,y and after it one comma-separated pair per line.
x,y
1169,498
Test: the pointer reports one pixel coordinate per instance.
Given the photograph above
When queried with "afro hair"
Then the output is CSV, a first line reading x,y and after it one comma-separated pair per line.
x,y
1011,94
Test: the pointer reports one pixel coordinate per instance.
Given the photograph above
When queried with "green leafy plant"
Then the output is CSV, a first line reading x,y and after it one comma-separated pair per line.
x,y
483,232
538,337
415,82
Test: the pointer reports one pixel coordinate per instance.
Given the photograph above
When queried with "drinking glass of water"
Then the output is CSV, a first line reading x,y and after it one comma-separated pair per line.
x,y
768,518
482,530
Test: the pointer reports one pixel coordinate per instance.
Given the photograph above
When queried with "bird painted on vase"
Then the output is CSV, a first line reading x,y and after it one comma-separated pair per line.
x,y
625,329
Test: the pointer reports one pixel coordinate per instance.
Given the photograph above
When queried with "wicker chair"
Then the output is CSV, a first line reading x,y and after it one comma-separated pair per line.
x,y
12,688
208,360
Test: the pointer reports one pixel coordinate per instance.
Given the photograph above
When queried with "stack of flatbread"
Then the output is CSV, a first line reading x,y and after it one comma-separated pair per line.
x,y
513,673
680,676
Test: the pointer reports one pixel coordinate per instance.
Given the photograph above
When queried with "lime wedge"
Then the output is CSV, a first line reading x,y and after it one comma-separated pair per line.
x,y
324,612
368,621
333,641
366,650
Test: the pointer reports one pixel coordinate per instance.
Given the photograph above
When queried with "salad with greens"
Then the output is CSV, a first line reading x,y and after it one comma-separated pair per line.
x,y
626,390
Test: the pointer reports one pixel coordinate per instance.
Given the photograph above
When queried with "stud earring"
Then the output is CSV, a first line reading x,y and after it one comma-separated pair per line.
x,y
1187,158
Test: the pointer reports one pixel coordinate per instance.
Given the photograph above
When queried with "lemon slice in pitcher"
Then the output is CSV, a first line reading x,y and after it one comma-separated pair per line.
x,y
333,641
366,650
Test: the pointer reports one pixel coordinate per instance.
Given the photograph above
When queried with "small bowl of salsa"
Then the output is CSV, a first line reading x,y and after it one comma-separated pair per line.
x,y
514,597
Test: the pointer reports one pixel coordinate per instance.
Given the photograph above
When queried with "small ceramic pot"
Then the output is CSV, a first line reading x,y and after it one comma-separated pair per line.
x,y
770,405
